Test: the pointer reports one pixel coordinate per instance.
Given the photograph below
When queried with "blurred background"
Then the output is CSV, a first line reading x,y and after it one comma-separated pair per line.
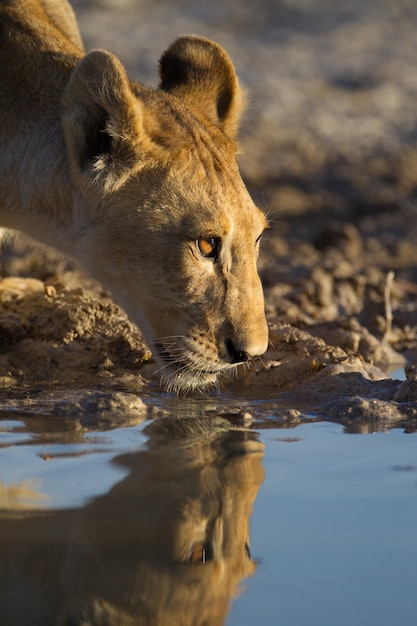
x,y
332,86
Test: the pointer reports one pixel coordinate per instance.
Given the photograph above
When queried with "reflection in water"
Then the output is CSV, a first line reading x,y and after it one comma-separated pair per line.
x,y
168,545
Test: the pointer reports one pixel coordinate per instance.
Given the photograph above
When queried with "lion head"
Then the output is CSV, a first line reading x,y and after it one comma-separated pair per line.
x,y
166,223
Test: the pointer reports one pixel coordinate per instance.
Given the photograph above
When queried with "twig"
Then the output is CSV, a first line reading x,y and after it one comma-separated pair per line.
x,y
388,306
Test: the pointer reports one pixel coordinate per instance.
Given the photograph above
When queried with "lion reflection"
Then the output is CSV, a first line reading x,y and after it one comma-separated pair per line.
x,y
168,545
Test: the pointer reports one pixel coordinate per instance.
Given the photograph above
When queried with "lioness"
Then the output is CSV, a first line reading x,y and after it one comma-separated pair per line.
x,y
139,185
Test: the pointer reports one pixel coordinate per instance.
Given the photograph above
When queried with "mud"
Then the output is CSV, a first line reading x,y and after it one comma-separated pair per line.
x,y
330,152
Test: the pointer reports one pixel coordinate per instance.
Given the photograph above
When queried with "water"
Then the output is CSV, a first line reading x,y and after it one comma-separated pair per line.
x,y
192,518
334,529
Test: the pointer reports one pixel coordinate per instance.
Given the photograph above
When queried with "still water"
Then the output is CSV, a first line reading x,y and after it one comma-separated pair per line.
x,y
190,518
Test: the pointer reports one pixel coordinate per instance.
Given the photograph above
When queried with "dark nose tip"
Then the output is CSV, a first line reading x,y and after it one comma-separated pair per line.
x,y
236,355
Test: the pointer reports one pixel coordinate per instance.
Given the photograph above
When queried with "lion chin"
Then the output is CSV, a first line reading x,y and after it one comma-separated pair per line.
x,y
180,382
181,375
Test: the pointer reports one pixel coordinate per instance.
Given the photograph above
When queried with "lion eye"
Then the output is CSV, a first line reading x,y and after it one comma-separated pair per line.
x,y
201,552
209,247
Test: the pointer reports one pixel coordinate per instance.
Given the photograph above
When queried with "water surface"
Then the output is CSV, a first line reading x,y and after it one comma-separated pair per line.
x,y
204,515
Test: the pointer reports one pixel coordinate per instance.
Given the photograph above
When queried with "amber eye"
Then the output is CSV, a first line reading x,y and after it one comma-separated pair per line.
x,y
209,247
201,552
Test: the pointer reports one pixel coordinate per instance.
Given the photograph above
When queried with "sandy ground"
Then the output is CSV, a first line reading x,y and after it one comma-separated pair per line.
x,y
329,151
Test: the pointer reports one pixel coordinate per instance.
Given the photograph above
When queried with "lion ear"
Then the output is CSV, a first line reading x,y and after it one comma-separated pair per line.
x,y
102,123
201,73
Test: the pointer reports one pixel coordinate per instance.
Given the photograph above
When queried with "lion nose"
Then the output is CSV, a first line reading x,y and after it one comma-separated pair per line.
x,y
236,355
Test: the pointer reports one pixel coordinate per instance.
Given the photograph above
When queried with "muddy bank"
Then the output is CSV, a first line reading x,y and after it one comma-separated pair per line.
x,y
71,353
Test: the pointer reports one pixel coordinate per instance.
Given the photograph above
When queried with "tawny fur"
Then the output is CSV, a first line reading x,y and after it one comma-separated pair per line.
x,y
127,179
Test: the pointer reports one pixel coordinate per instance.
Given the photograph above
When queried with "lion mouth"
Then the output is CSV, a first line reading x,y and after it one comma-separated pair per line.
x,y
165,355
181,374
